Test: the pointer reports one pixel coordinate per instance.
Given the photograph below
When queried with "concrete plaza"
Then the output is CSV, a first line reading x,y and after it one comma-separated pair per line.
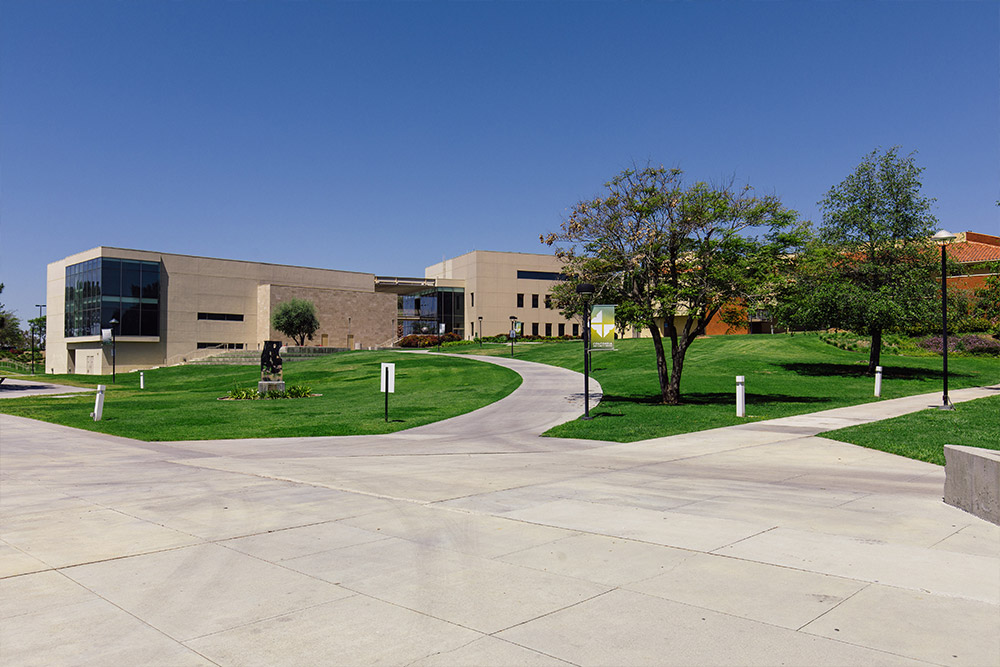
x,y
475,542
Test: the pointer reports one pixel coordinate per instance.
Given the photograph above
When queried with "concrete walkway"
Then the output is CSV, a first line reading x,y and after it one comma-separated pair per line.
x,y
475,542
16,387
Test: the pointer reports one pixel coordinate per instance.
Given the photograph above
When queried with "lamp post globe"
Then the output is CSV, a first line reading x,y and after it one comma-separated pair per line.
x,y
943,238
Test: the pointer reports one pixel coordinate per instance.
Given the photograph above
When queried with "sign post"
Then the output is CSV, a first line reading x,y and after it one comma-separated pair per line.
x,y
741,396
388,381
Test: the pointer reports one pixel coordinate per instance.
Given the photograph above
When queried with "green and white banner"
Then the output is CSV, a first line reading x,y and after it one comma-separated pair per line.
x,y
602,328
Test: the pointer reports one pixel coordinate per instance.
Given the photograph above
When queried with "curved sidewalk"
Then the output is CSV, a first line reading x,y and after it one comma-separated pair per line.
x,y
755,544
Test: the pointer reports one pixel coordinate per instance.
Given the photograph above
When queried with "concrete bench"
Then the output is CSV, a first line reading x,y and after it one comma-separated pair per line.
x,y
972,481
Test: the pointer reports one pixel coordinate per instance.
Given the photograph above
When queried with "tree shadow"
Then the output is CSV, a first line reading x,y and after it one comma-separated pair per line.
x,y
860,371
714,398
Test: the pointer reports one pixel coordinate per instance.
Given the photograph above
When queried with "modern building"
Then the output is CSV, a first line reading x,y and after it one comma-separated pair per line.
x,y
501,285
166,308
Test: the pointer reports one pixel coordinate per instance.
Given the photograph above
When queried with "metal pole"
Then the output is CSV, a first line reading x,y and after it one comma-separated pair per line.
x,y
480,333
586,361
114,358
945,403
387,395
32,327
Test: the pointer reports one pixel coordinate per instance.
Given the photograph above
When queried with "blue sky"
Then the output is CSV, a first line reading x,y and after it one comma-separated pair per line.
x,y
381,137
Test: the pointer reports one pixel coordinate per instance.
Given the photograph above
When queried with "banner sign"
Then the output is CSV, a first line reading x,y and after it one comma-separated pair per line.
x,y
519,329
106,336
602,328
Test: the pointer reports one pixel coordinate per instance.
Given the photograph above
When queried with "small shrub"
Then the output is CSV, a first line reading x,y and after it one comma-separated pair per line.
x,y
298,391
243,394
980,345
970,344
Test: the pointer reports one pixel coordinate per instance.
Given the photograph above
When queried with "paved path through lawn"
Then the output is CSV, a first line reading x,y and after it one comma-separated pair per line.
x,y
476,542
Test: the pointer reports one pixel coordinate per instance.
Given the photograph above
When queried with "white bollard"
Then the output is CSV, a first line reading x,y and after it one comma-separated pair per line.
x,y
142,380
741,396
99,403
878,381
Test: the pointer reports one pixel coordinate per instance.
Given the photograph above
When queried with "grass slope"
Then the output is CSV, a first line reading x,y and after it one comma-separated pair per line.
x,y
180,403
922,435
785,375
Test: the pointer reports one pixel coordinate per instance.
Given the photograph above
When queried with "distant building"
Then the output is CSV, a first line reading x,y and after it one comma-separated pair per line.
x,y
978,255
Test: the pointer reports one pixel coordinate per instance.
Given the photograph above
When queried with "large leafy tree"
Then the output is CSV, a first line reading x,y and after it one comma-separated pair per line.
x,y
664,252
296,318
871,268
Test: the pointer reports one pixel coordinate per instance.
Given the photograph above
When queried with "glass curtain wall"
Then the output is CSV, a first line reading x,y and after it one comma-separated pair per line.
x,y
103,289
425,312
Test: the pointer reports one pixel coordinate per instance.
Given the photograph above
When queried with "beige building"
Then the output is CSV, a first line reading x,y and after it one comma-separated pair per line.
x,y
167,309
172,308
501,284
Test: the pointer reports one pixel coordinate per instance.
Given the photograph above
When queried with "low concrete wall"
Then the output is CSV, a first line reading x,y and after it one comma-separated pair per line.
x,y
972,481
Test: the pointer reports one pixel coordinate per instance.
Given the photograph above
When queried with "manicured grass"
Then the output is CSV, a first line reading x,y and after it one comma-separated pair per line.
x,y
785,375
180,403
922,435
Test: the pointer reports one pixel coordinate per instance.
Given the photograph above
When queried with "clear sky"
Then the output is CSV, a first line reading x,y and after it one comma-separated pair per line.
x,y
381,137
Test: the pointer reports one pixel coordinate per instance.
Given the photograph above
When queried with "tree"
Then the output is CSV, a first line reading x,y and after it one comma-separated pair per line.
x,y
10,327
662,251
296,318
872,268
987,305
38,323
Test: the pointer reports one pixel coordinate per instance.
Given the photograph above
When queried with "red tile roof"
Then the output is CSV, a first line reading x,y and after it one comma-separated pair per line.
x,y
973,247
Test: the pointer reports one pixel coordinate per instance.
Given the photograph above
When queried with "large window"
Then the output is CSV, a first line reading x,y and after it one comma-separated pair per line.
x,y
427,311
103,289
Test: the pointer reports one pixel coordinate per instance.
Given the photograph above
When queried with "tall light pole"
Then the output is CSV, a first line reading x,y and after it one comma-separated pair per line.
x,y
513,333
480,332
39,306
31,327
114,361
586,290
943,238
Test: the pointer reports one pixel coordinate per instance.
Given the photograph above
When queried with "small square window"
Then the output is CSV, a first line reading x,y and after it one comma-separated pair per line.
x,y
548,329
576,329
548,301
534,327
534,301
520,301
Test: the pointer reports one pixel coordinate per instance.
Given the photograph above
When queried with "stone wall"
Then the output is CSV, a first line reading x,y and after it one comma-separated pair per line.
x,y
369,318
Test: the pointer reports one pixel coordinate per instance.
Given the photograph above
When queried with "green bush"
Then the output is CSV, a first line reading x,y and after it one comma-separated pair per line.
x,y
251,394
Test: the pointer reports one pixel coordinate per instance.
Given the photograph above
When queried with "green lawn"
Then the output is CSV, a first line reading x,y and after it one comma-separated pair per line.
x,y
785,375
180,403
922,435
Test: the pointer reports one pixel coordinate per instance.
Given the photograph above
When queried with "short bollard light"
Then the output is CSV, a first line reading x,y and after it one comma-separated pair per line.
x,y
878,381
142,380
741,396
99,403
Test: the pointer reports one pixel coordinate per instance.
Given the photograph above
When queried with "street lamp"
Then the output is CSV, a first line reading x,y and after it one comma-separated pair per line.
x,y
480,332
113,323
586,290
39,306
943,238
513,333
31,326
